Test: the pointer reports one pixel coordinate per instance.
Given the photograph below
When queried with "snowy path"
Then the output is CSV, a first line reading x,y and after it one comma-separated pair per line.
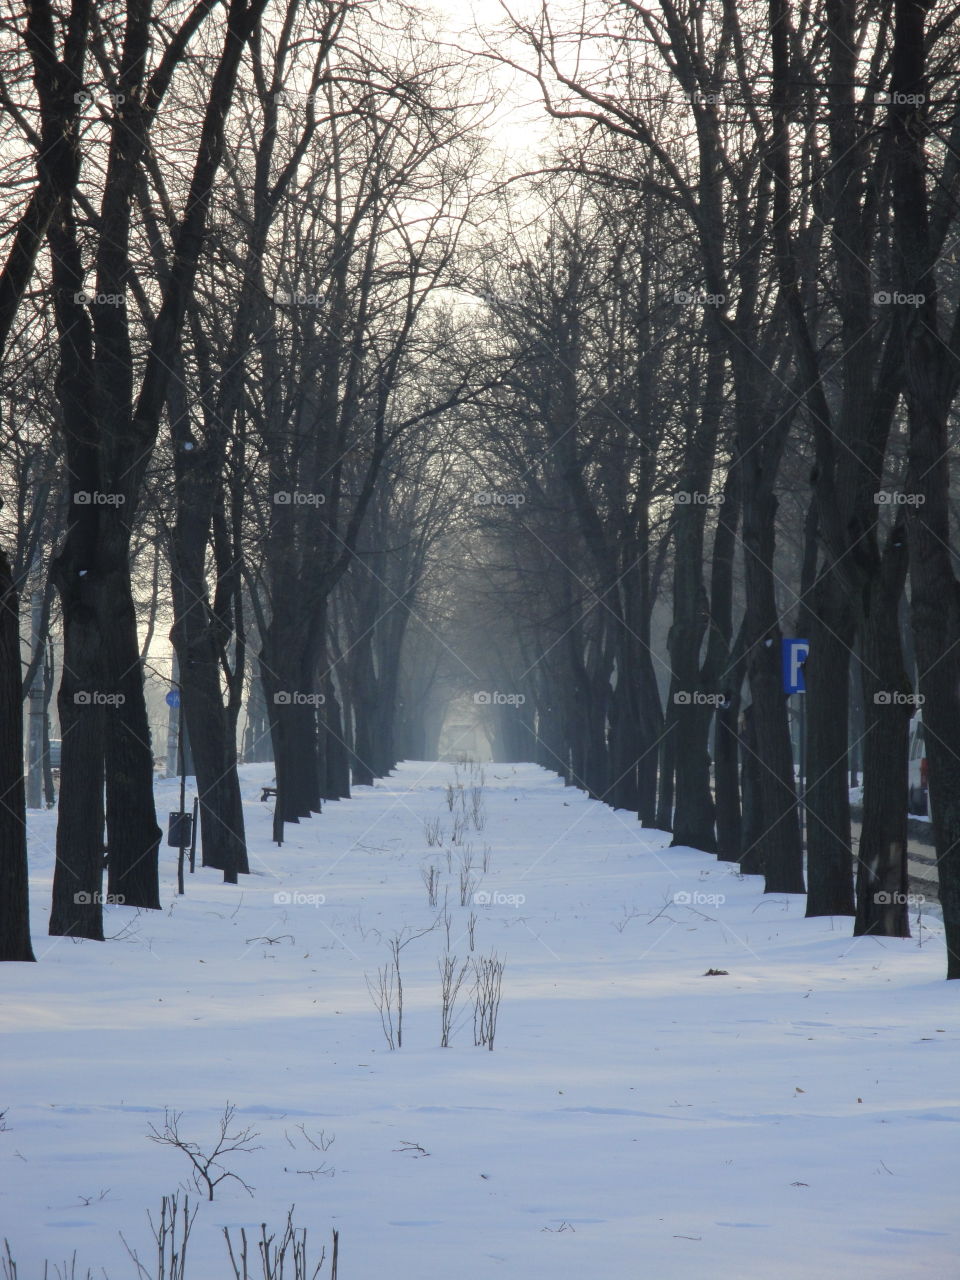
x,y
635,1119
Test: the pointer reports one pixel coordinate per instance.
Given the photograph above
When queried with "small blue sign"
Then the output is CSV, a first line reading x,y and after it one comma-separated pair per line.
x,y
173,698
793,654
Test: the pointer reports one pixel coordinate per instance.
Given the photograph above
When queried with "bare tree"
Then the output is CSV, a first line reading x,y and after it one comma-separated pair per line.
x,y
109,430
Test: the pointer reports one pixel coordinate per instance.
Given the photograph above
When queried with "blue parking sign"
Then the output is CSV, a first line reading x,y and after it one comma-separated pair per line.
x,y
793,654
172,698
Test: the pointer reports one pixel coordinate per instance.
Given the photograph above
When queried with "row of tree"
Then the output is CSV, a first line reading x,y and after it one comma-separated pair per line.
x,y
585,444
764,274
219,299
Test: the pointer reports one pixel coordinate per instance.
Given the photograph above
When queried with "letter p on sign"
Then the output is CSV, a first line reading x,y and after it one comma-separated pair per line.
x,y
794,655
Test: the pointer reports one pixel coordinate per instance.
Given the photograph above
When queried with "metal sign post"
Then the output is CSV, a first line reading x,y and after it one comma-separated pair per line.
x,y
179,833
793,658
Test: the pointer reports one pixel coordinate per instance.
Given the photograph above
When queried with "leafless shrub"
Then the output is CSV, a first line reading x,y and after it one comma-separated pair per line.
x,y
468,885
488,975
459,829
431,878
485,861
170,1236
408,1148
7,1262
468,881
322,1143
471,926
67,1272
274,1256
477,808
467,767
98,1198
451,979
321,1171
365,932
628,915
433,832
385,993
10,1271
273,1259
208,1172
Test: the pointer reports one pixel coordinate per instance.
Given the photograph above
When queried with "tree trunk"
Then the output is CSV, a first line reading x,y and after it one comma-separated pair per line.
x,y
882,855
335,751
727,781
214,762
624,745
257,748
693,820
132,832
830,629
14,904
725,665
778,839
750,859
931,385
363,687
198,636
49,791
76,909
668,764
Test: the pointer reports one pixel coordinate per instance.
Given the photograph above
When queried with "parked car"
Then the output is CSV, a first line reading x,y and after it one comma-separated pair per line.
x,y
918,800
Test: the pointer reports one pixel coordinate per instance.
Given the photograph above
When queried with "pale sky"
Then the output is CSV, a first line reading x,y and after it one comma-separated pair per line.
x,y
519,125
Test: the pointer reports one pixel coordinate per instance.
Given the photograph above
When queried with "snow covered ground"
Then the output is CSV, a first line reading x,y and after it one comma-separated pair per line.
x,y
636,1118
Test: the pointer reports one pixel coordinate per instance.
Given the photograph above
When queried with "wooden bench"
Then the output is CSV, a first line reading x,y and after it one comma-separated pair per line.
x,y
267,792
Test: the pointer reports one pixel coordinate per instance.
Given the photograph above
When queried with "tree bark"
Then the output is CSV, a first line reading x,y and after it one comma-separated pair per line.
x,y
882,855
931,387
778,839
14,904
